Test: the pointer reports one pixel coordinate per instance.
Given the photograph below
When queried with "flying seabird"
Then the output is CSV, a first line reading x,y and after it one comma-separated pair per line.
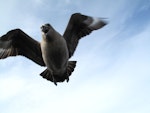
x,y
55,49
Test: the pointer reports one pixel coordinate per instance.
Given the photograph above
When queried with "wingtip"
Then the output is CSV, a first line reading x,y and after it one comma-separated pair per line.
x,y
98,23
104,20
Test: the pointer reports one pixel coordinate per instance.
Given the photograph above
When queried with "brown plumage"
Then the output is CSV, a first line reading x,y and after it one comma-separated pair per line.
x,y
54,50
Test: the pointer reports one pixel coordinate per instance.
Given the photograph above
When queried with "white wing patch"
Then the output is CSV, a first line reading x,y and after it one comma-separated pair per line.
x,y
96,23
8,52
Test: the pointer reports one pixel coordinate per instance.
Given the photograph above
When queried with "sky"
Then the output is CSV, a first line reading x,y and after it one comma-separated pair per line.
x,y
112,73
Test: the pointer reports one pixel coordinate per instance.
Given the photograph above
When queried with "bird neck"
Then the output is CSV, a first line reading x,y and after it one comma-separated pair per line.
x,y
51,35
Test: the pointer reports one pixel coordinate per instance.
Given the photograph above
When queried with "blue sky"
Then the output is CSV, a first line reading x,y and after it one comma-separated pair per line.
x,y
112,73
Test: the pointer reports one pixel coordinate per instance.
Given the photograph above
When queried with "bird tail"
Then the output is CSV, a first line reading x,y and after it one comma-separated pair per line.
x,y
47,75
55,78
70,67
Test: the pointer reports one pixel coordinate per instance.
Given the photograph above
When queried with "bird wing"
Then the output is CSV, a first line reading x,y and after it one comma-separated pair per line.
x,y
16,42
79,26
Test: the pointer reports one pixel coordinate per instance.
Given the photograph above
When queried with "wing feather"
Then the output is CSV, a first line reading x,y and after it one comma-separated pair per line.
x,y
79,26
16,42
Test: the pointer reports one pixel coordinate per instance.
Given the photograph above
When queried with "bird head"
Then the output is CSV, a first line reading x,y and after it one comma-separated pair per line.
x,y
45,28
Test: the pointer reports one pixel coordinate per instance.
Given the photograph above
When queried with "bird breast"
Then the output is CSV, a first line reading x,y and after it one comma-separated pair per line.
x,y
55,54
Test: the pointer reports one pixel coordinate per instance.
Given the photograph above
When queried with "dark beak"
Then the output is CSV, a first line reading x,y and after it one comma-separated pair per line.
x,y
44,29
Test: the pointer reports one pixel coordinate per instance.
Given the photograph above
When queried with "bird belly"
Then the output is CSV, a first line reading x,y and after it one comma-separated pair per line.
x,y
55,56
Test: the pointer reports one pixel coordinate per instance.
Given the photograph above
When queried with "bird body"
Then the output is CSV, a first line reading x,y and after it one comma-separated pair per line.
x,y
55,50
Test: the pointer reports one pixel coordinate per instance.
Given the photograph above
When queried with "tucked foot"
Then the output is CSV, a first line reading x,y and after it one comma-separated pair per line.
x,y
54,80
67,78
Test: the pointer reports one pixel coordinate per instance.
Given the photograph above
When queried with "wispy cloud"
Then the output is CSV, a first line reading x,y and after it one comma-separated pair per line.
x,y
112,73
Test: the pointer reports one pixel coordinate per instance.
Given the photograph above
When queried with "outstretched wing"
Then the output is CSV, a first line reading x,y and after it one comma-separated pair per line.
x,y
79,26
16,42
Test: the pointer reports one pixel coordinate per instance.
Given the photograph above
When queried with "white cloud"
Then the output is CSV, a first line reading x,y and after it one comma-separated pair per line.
x,y
112,75
9,87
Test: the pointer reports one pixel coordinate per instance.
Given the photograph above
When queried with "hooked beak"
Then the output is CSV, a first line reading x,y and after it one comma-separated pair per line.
x,y
44,29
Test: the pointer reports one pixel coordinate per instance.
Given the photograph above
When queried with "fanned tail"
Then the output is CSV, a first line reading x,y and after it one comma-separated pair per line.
x,y
57,78
70,67
47,75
